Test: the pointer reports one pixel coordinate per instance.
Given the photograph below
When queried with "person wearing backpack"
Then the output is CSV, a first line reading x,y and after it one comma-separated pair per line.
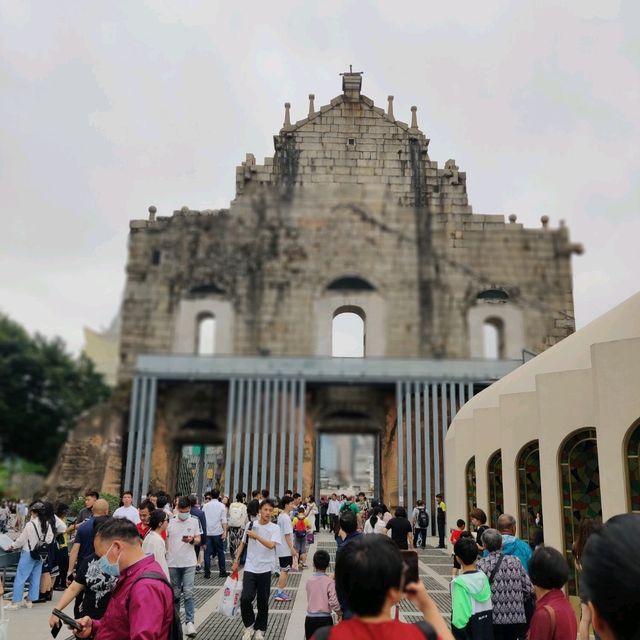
x,y
301,527
420,524
236,521
371,578
34,541
141,604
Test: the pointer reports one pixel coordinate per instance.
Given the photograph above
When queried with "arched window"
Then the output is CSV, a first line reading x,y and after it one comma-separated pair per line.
x,y
470,481
206,335
348,335
529,488
493,338
496,493
633,468
580,490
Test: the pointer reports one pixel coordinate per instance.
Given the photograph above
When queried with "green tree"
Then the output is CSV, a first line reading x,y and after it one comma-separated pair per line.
x,y
43,389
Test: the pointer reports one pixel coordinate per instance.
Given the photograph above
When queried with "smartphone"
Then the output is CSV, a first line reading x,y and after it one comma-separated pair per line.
x,y
410,559
55,630
67,620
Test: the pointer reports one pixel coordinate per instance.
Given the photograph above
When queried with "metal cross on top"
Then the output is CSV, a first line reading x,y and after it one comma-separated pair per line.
x,y
351,71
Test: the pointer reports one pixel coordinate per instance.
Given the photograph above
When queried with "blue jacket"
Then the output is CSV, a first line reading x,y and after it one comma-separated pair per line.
x,y
513,546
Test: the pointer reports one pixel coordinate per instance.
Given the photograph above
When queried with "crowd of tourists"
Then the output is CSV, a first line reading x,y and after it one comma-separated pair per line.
x,y
126,574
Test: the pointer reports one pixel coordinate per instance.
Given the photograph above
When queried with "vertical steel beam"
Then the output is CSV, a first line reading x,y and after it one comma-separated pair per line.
x,y
292,430
417,386
265,432
469,391
461,399
301,432
427,447
444,422
246,453
452,408
201,463
255,457
150,427
137,464
238,435
274,437
134,407
231,401
399,423
282,433
434,429
409,444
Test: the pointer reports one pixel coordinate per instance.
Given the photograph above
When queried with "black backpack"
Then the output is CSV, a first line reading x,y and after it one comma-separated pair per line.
x,y
175,630
41,550
423,519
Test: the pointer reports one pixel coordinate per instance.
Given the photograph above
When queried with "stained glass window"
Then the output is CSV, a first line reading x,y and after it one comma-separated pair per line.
x,y
633,468
496,493
580,490
470,476
529,489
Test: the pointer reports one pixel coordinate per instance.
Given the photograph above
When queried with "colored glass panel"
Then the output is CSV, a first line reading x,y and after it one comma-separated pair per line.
x,y
496,492
470,475
529,489
633,469
580,490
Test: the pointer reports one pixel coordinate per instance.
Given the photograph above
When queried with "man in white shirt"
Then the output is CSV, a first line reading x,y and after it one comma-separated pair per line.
x,y
182,535
333,511
261,538
285,549
216,515
127,510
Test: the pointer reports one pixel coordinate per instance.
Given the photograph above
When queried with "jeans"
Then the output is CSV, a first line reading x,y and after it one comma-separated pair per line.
x,y
215,546
420,535
252,584
28,569
182,579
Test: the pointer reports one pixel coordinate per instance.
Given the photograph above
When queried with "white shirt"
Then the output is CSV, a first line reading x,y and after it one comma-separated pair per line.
x,y
286,528
182,554
32,534
379,526
260,558
130,513
334,508
154,545
216,515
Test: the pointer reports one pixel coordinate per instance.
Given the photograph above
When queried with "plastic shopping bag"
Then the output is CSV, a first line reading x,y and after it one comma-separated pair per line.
x,y
230,601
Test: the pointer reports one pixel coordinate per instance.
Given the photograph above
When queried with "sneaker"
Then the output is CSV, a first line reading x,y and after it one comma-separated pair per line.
x,y
12,606
248,633
259,635
223,574
281,596
28,604
190,631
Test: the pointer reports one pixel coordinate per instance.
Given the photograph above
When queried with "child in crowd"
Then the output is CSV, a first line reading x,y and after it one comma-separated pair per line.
x,y
321,596
471,606
455,536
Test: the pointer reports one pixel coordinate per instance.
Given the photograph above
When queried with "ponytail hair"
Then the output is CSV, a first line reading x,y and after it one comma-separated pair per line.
x,y
374,516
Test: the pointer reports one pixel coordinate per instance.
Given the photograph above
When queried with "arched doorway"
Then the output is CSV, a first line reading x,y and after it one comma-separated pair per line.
x,y
493,338
496,493
529,488
205,334
580,490
348,333
633,468
470,482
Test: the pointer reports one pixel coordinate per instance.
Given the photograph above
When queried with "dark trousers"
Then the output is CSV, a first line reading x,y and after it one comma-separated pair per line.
x,y
215,546
313,623
422,533
509,631
441,528
255,584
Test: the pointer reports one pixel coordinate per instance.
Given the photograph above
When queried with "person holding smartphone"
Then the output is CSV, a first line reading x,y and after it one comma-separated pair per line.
x,y
182,535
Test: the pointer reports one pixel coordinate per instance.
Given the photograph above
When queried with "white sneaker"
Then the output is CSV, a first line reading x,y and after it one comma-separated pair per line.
x,y
28,604
248,633
12,606
190,630
259,635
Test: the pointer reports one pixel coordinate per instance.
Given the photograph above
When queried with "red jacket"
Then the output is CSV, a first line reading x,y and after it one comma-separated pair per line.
x,y
542,626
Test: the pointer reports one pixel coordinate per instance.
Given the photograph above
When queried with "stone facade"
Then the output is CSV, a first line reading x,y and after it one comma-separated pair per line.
x,y
349,214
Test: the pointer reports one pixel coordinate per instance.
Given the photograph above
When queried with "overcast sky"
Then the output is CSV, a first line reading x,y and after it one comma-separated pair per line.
x,y
106,108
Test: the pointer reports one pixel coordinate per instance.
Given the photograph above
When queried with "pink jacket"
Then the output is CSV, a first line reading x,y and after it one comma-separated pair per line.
x,y
144,613
321,594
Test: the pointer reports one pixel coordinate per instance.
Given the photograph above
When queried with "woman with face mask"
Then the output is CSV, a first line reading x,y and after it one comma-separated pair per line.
x,y
154,544
34,541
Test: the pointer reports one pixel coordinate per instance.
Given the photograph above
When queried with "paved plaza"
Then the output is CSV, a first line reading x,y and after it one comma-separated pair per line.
x,y
286,619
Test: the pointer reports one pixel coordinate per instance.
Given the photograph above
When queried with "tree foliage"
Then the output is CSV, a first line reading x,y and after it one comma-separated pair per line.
x,y
43,389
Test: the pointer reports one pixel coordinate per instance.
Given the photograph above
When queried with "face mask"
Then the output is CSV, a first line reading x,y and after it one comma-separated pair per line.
x,y
184,516
107,567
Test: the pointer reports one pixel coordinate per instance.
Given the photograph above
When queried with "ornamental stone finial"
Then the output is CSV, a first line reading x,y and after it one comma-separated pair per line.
x,y
312,109
152,213
390,108
287,116
545,221
414,117
512,218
